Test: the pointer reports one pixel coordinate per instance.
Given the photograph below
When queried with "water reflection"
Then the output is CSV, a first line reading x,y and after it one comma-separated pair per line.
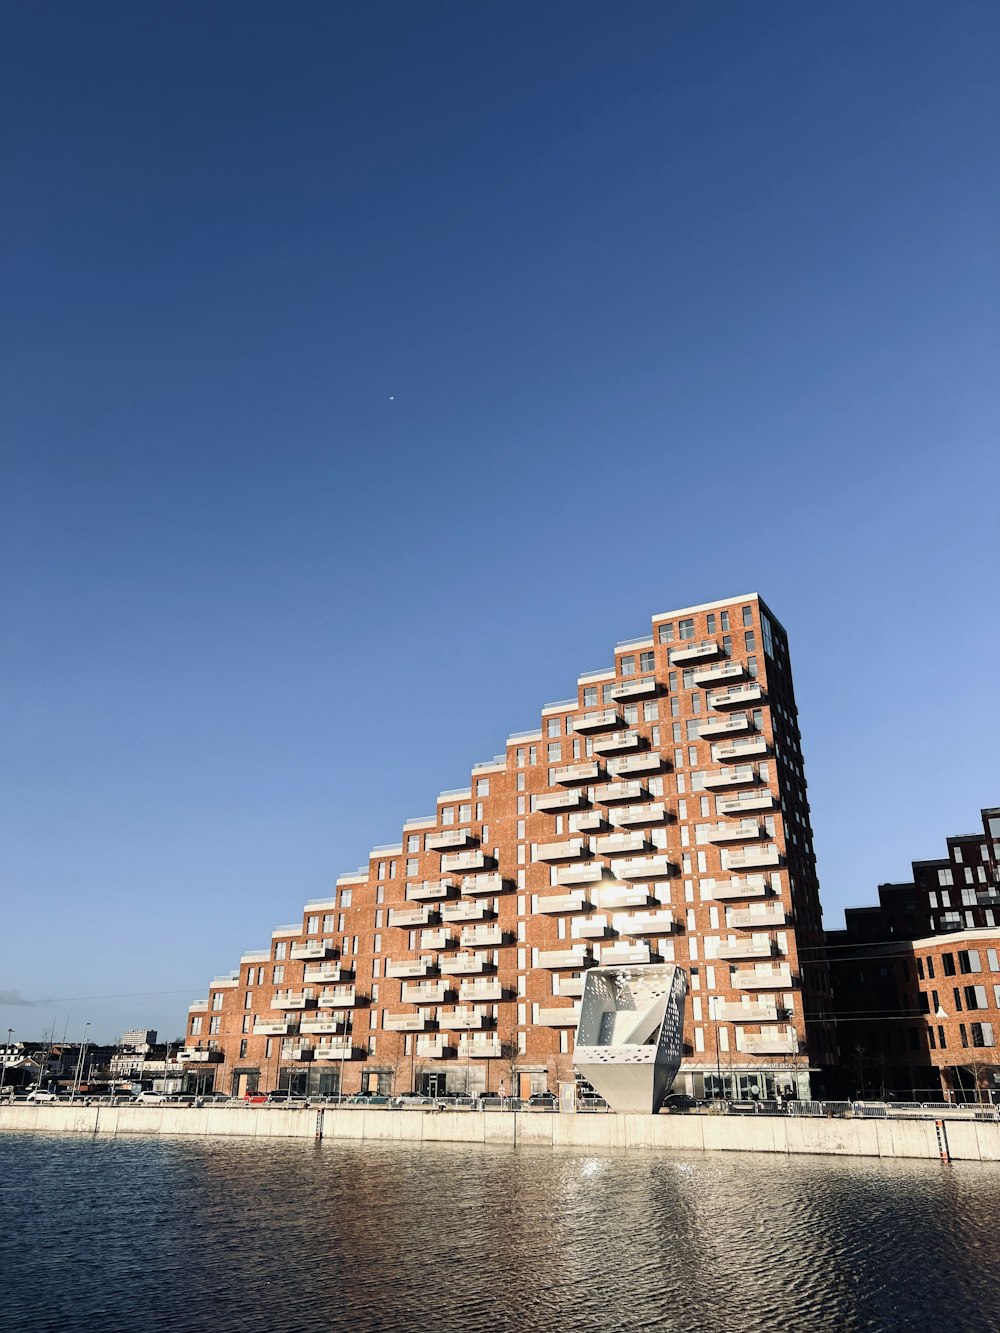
x,y
223,1235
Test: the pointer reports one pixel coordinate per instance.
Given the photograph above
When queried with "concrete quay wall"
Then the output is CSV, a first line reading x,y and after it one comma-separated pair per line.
x,y
967,1140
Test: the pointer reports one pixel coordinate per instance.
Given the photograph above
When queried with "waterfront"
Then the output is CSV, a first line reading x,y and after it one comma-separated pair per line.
x,y
140,1233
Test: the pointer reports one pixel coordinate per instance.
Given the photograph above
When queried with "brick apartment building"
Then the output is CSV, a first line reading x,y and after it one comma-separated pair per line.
x,y
916,978
659,814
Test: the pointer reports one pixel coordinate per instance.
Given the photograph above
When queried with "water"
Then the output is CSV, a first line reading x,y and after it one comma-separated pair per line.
x,y
220,1235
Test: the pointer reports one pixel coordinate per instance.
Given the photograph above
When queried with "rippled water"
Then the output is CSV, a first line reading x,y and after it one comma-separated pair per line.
x,y
130,1234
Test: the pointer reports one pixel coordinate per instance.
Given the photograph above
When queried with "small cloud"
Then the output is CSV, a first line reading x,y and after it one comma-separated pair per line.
x,y
14,998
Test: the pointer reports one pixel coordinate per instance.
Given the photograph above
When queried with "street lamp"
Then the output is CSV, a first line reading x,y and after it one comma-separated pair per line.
x,y
6,1053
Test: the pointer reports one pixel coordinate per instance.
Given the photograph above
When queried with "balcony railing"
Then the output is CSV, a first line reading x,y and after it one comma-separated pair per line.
x,y
456,1020
322,972
751,800
748,857
736,696
464,964
712,675
778,978
645,923
479,1047
725,726
272,1028
334,1050
588,821
624,954
753,745
559,800
746,1013
561,904
653,813
695,652
650,762
338,997
747,948
616,843
591,872
565,1017
491,884
484,990
744,831
591,928
462,911
644,867
449,841
462,861
434,1048
436,939
619,791
765,918
744,776
643,688
574,773
579,956
616,741
314,949
423,992
321,1026
405,1022
482,937
429,890
621,895
290,999
568,850
407,917
410,967
767,1043
602,720
200,1055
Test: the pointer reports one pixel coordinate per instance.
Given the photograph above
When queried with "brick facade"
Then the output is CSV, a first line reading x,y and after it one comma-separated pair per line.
x,y
658,814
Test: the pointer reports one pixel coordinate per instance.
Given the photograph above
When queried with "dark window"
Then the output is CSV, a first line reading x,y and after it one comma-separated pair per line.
x,y
243,1048
930,969
958,998
948,963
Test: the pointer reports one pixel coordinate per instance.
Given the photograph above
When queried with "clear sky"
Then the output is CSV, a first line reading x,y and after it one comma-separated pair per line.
x,y
370,369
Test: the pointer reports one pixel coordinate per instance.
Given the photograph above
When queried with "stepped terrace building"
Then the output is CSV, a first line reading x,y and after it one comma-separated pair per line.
x,y
659,814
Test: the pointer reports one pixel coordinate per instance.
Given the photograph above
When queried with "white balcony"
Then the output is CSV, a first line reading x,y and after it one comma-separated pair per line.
x,y
751,800
292,999
649,762
620,791
407,917
566,1017
338,997
449,841
314,949
616,843
588,821
271,1028
777,978
476,885
571,987
292,1053
745,831
464,964
695,652
334,1050
200,1055
744,776
644,867
645,923
622,895
624,954
436,939
579,956
590,771
770,1043
429,890
655,812
323,972
733,751
763,917
423,992
718,674
738,696
570,849
321,1027
460,1020
482,937
763,1012
559,800
409,967
591,872
603,720
434,1048
484,990
405,1022
591,928
738,888
747,947
479,1047
561,904
617,741
749,857
460,862
725,726
461,911
643,688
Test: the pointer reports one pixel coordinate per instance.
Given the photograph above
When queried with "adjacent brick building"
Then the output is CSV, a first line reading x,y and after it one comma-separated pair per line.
x,y
659,813
917,978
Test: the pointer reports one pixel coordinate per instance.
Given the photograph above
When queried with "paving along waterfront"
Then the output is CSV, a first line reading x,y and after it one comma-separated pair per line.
x,y
138,1233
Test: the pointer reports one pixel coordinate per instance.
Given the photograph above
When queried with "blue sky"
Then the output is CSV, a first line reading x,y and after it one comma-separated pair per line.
x,y
369,370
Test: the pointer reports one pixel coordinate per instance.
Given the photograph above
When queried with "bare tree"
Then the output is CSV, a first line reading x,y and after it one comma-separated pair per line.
x,y
979,1064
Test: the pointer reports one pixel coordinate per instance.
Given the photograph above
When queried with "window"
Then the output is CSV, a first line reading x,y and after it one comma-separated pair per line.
x,y
666,633
280,949
381,870
328,922
379,898
749,641
685,629
626,665
710,622
647,660
483,786
554,726
412,866
413,842
278,975
215,1026
650,711
590,696
195,1027
447,814
945,877
968,961
982,1034
217,1000
346,897
243,1049
747,616
312,925
246,1022
630,712
724,620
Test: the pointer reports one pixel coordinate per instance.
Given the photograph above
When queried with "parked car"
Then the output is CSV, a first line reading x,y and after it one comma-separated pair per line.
x,y
679,1102
542,1101
150,1098
367,1099
255,1098
417,1099
40,1095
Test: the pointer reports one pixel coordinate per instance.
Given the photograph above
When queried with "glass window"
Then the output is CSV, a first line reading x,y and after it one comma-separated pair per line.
x,y
710,622
447,815
483,787
554,752
647,660
724,620
666,635
554,726
346,897
217,1000
685,629
413,842
626,665
747,616
280,949
412,866
590,696
750,641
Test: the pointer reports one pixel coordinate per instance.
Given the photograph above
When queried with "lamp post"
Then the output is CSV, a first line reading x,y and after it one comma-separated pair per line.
x,y
6,1053
79,1063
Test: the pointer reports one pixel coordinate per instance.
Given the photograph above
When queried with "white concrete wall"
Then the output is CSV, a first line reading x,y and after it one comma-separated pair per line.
x,y
967,1140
